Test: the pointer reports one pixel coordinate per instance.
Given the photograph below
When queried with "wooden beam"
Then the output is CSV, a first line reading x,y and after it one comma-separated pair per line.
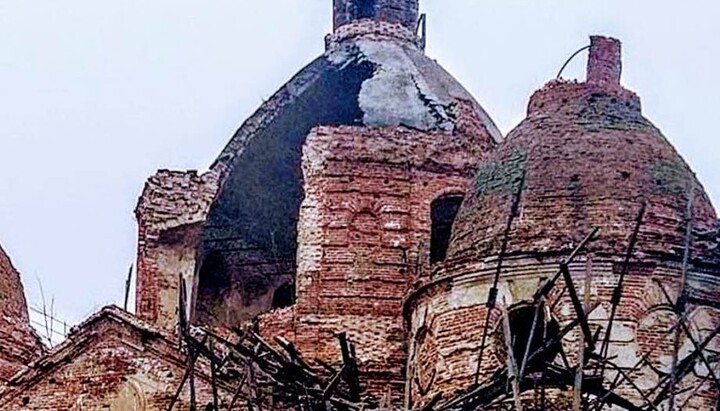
x,y
511,363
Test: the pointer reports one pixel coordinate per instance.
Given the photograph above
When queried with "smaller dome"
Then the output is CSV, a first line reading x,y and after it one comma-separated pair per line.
x,y
586,158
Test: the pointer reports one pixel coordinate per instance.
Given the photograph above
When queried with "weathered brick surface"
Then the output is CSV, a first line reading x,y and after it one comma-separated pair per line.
x,y
587,158
18,343
590,159
404,12
363,235
357,207
370,30
446,318
170,214
110,362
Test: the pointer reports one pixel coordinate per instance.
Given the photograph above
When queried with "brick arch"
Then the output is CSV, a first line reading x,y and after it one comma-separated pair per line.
x,y
654,336
364,227
426,359
703,321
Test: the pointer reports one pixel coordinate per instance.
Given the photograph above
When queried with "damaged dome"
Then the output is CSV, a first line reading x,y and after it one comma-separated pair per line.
x,y
374,74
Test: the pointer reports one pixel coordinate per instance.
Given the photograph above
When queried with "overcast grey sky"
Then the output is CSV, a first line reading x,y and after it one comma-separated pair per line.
x,y
97,95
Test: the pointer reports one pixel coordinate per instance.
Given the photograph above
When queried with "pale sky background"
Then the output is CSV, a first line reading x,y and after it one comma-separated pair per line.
x,y
95,96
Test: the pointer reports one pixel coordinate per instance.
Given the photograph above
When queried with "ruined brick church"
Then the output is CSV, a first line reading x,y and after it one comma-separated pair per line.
x,y
369,240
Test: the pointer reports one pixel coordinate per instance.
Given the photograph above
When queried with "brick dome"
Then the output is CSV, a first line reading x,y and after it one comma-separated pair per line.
x,y
584,158
589,159
374,75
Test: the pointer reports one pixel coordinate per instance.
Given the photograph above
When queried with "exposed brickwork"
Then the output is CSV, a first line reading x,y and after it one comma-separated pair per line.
x,y
364,233
370,30
170,214
341,217
404,12
586,157
605,62
590,160
447,317
110,362
18,343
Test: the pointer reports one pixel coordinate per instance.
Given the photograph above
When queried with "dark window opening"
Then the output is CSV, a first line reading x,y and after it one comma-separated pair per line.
x,y
443,212
365,9
284,296
522,319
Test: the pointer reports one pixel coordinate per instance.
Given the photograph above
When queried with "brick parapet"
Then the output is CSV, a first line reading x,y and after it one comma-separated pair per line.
x,y
173,199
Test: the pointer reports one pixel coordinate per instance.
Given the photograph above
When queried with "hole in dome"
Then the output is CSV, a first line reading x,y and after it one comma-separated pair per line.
x,y
442,212
625,174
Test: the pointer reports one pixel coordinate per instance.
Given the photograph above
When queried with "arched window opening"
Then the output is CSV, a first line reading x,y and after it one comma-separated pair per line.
x,y
365,9
284,296
443,212
522,320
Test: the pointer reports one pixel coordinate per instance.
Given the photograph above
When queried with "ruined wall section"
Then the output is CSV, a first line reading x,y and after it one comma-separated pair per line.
x,y
111,362
363,235
170,214
585,157
446,318
18,343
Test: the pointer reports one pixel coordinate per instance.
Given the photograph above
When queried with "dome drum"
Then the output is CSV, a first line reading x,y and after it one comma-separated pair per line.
x,y
404,12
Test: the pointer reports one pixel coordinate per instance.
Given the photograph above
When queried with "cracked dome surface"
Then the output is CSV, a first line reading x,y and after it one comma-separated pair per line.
x,y
372,74
365,80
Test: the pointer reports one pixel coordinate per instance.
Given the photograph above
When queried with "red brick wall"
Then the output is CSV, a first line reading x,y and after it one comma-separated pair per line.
x,y
403,12
109,366
18,343
586,158
170,214
363,235
446,319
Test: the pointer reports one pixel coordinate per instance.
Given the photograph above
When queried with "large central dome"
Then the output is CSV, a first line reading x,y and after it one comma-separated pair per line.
x,y
374,74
